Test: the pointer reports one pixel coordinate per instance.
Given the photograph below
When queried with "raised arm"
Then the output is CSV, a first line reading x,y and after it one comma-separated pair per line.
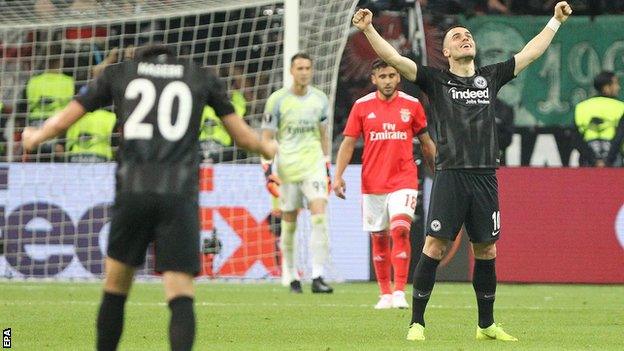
x,y
363,20
538,45
345,152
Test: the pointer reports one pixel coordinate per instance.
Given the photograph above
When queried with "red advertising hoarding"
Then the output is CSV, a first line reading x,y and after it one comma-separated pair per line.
x,y
561,225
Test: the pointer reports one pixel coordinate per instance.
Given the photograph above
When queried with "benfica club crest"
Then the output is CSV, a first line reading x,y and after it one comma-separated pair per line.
x,y
405,115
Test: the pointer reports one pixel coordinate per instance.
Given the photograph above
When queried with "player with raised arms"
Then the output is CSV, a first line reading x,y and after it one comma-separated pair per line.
x,y
465,187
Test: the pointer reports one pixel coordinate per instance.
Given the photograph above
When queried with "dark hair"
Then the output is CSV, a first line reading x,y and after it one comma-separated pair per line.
x,y
301,55
453,27
153,50
602,79
377,64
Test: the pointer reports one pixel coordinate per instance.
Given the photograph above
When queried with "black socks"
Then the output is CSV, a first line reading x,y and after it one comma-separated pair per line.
x,y
484,283
110,321
182,324
424,279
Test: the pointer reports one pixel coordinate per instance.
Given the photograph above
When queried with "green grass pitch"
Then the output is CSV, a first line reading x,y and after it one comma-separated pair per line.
x,y
264,316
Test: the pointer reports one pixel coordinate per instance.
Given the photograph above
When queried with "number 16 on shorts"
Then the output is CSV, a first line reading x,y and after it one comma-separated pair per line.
x,y
496,223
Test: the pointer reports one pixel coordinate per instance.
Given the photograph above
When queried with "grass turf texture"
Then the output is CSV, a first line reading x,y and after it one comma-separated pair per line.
x,y
265,316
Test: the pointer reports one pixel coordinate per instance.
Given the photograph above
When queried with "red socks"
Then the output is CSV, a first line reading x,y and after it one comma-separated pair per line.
x,y
401,249
386,258
381,260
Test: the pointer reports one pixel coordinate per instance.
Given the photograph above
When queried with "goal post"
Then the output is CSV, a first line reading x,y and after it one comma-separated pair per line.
x,y
55,214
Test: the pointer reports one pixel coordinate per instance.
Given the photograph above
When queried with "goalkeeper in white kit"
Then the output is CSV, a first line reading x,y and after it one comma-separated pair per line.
x,y
297,117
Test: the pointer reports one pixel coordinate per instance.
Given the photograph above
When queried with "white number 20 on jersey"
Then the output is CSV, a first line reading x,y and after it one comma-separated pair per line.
x,y
135,128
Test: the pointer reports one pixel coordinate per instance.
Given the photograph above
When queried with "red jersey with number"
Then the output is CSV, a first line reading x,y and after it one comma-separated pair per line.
x,y
388,127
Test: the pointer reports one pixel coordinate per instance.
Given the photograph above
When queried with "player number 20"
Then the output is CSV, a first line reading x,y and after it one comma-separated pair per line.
x,y
135,128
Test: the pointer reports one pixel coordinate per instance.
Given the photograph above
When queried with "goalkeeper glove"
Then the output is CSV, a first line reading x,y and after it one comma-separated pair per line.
x,y
272,180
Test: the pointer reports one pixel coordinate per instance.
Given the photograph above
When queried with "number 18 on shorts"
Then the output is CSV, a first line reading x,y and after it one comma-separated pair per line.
x,y
378,209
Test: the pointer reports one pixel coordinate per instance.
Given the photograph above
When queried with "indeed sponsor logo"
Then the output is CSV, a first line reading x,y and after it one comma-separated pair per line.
x,y
471,97
469,94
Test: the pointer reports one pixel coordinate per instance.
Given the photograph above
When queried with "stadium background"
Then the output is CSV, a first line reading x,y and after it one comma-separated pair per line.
x,y
555,219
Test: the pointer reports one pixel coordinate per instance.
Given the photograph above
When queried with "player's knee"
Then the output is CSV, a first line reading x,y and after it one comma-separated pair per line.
x,y
289,216
119,276
381,234
317,206
380,239
319,236
318,219
485,251
435,248
400,226
178,284
117,286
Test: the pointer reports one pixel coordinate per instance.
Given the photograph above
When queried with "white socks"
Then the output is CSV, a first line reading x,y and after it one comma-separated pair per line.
x,y
288,244
319,244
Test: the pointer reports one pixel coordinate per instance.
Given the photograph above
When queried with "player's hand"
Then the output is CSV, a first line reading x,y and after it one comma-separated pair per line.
x,y
340,187
273,185
273,182
112,56
562,11
29,140
362,19
129,52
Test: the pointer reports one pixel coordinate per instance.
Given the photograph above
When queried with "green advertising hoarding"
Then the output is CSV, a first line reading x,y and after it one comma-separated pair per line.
x,y
547,91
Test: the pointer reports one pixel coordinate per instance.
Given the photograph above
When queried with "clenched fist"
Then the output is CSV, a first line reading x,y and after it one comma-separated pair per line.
x,y
562,11
362,19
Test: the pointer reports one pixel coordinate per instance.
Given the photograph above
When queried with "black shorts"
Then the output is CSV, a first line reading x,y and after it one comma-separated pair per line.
x,y
467,197
170,221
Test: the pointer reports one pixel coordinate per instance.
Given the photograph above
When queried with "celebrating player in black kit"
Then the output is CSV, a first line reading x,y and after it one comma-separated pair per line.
x,y
159,101
465,188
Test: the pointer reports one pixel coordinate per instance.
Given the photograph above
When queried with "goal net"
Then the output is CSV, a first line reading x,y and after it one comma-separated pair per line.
x,y
55,204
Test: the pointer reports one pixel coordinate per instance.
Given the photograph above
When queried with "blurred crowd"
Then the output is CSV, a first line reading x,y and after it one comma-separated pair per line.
x,y
496,7
41,70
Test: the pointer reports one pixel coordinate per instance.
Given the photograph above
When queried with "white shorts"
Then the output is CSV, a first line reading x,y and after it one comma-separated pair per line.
x,y
292,194
377,209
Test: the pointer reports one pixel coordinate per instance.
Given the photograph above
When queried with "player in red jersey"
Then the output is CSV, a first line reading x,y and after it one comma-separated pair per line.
x,y
388,119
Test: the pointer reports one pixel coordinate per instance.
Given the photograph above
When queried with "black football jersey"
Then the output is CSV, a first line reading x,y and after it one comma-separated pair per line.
x,y
462,117
159,103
